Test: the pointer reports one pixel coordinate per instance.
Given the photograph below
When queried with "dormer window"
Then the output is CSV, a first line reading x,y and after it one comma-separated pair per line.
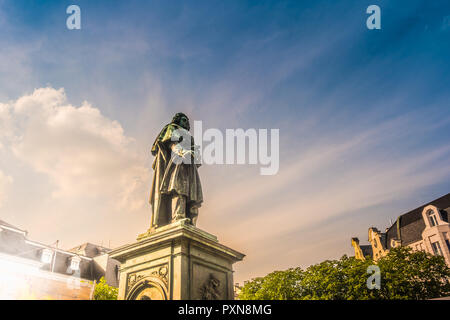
x,y
75,263
46,256
436,248
432,218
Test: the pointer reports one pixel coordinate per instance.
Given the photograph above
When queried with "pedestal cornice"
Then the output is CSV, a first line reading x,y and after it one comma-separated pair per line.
x,y
173,232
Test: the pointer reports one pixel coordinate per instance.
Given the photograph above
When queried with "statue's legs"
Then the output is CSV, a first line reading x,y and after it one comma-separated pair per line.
x,y
178,207
192,212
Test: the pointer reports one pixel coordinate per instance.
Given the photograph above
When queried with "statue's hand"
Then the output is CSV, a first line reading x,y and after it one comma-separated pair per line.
x,y
187,156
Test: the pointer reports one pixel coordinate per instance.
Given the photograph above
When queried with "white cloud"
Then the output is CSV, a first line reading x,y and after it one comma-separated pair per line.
x,y
84,153
5,123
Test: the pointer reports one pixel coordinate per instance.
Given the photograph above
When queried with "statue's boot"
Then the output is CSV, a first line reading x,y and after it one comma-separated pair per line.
x,y
193,214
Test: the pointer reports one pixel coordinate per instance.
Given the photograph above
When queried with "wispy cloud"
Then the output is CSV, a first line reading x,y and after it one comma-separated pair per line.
x,y
320,186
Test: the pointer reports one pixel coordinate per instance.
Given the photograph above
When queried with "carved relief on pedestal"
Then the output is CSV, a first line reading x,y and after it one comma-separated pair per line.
x,y
210,289
149,284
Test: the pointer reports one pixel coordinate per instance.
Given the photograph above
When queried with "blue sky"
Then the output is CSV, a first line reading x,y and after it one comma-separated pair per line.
x,y
364,116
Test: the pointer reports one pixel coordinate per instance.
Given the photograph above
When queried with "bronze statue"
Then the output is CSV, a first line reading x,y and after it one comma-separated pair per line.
x,y
176,191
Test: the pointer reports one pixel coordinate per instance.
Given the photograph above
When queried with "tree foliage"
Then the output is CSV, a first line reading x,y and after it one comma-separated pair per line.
x,y
404,275
105,292
278,285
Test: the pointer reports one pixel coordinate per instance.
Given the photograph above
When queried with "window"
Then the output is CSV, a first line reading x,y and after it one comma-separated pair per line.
x,y
436,248
432,218
46,256
75,263
448,244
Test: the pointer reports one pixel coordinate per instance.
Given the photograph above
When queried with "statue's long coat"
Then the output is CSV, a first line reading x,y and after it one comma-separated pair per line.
x,y
170,177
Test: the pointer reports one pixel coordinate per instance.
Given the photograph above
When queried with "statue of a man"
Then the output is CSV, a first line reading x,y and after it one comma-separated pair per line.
x,y
176,191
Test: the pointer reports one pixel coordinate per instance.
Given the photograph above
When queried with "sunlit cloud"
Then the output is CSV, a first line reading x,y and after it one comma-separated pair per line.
x,y
84,153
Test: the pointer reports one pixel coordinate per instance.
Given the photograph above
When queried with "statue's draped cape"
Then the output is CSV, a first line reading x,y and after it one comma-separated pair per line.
x,y
171,177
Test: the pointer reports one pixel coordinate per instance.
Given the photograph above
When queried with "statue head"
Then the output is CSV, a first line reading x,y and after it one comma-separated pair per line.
x,y
182,120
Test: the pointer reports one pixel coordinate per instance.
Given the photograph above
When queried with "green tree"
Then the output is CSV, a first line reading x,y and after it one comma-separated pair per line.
x,y
105,292
278,285
337,280
404,275
413,275
251,289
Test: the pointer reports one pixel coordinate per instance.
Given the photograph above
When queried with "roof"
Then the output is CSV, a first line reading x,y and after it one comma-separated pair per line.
x,y
366,250
89,249
8,225
411,224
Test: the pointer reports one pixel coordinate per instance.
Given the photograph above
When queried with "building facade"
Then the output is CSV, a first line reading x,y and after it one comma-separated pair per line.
x,y
425,228
32,270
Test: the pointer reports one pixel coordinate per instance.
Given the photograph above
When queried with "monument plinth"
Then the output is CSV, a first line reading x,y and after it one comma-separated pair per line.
x,y
176,262
174,259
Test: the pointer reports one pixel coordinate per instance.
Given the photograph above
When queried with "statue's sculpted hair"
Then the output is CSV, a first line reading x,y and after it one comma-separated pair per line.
x,y
177,117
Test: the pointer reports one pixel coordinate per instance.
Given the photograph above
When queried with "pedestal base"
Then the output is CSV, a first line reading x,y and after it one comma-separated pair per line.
x,y
176,262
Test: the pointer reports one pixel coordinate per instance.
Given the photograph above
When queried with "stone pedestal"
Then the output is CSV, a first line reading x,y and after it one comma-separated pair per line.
x,y
176,262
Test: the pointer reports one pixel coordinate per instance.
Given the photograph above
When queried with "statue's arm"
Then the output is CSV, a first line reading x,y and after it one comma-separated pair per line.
x,y
171,139
174,139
